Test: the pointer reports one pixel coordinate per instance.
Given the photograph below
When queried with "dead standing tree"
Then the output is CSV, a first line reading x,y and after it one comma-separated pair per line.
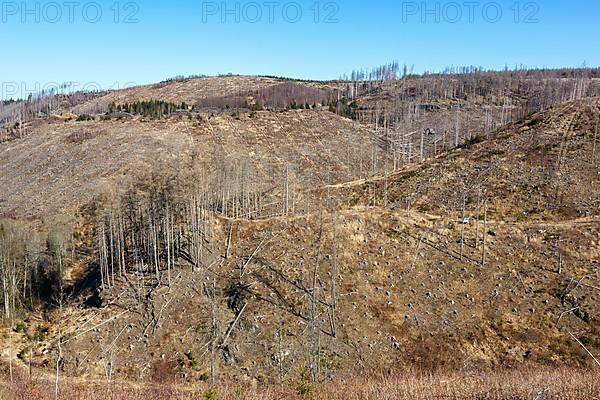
x,y
211,293
334,276
485,213
594,145
463,222
314,328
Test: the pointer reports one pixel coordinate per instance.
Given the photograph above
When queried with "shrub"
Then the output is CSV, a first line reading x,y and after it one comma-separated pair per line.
x,y
471,142
41,333
20,327
304,387
210,394
193,363
85,117
23,353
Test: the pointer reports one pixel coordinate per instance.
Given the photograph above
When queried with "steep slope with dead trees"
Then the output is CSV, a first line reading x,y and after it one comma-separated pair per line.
x,y
297,246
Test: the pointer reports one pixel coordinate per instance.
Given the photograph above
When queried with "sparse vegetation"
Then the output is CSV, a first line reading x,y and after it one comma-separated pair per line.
x,y
552,384
251,251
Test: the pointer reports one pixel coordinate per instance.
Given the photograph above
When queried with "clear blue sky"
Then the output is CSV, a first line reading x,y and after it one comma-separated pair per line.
x,y
189,37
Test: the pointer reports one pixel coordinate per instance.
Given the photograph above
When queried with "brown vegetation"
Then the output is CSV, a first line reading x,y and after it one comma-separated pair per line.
x,y
297,251
526,383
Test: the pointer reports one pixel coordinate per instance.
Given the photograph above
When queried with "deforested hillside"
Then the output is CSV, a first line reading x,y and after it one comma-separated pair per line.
x,y
544,168
188,90
64,164
244,200
457,262
424,116
256,243
218,92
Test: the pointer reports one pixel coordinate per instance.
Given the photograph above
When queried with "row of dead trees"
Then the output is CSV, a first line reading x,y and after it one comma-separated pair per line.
x,y
415,128
155,234
33,265
151,230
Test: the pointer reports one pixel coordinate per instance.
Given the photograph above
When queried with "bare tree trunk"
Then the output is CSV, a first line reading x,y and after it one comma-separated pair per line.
x,y
585,348
227,250
444,141
59,346
457,129
385,190
10,366
334,274
462,230
154,234
594,148
560,262
477,218
168,239
414,262
213,314
314,356
422,146
484,232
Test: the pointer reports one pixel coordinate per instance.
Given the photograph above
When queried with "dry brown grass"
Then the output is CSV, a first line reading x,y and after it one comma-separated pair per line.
x,y
68,163
539,383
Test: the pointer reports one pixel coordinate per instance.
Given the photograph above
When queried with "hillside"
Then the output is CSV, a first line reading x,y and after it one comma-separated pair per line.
x,y
195,91
188,90
403,293
286,246
542,168
65,164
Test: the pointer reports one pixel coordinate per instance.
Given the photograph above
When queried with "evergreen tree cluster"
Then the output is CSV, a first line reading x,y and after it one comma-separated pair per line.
x,y
344,108
300,106
85,117
152,108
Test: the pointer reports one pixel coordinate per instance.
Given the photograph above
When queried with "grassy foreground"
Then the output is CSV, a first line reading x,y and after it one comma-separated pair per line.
x,y
536,384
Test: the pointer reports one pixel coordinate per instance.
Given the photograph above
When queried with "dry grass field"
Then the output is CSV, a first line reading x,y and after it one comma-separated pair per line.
x,y
528,383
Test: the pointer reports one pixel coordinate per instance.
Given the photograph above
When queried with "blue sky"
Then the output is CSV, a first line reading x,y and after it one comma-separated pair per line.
x,y
74,43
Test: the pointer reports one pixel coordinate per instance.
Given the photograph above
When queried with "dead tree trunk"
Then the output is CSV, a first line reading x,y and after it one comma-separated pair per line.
x,y
462,230
477,218
484,233
594,147
334,274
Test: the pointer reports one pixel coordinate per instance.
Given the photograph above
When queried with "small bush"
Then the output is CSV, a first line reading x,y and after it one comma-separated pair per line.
x,y
304,387
23,354
41,333
85,117
193,363
472,142
19,327
210,394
